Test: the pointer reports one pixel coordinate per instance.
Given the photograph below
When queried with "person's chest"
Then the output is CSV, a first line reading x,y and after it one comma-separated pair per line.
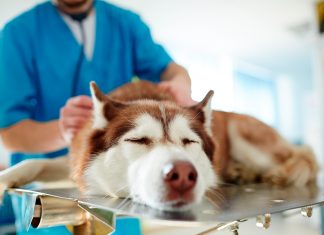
x,y
57,60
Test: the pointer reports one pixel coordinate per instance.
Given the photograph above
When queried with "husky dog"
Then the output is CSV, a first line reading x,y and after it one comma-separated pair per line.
x,y
141,144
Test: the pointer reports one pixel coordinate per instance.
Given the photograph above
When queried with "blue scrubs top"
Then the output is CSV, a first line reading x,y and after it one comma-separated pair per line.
x,y
39,55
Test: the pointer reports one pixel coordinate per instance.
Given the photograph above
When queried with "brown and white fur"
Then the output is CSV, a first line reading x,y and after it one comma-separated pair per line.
x,y
140,144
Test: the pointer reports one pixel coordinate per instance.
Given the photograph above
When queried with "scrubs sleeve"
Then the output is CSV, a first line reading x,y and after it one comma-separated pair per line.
x,y
17,88
150,58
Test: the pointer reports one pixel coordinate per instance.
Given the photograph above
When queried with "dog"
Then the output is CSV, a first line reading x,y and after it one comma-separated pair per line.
x,y
140,144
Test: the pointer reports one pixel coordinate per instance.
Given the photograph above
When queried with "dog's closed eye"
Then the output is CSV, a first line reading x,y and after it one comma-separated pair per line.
x,y
186,141
141,140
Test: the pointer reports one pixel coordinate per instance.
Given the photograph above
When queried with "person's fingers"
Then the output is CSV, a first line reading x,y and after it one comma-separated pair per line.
x,y
71,132
73,122
68,136
189,102
80,101
184,100
75,111
74,115
180,94
164,86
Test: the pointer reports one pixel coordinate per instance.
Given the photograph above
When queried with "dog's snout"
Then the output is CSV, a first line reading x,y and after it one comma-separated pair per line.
x,y
181,176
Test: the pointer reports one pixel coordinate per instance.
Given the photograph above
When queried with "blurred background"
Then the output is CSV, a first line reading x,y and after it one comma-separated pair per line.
x,y
260,57
264,58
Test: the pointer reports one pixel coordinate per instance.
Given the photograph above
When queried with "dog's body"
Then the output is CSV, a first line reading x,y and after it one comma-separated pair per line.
x,y
140,144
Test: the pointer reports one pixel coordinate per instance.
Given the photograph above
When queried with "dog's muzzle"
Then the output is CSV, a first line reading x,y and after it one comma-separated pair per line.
x,y
180,178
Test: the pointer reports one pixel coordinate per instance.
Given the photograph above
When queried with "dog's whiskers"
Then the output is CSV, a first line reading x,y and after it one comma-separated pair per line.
x,y
227,184
115,193
217,206
125,204
215,195
122,204
120,189
216,198
194,118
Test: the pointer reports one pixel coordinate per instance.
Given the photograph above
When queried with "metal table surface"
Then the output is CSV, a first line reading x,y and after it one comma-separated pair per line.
x,y
225,204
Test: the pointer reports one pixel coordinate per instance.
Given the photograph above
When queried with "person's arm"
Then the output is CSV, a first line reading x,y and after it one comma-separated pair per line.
x,y
153,63
30,136
176,80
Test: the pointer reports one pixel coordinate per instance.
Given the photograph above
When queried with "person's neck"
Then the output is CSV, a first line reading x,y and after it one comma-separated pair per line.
x,y
75,16
81,16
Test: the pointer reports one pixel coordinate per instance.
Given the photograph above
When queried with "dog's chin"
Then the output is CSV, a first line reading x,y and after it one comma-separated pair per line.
x,y
168,206
176,206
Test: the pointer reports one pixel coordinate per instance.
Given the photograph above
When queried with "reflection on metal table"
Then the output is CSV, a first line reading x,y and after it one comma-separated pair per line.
x,y
224,207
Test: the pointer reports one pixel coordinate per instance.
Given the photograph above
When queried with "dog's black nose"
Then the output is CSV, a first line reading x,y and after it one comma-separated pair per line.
x,y
180,176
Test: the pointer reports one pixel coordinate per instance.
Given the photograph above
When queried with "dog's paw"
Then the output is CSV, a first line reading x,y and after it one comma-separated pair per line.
x,y
14,177
240,174
3,188
299,170
275,176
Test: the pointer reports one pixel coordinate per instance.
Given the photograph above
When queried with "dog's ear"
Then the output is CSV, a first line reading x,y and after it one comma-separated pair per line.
x,y
98,99
204,111
104,109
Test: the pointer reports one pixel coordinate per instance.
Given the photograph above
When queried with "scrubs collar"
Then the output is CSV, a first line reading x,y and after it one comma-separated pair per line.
x,y
79,17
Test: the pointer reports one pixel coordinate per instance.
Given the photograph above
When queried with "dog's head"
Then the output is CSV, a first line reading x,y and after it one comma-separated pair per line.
x,y
156,153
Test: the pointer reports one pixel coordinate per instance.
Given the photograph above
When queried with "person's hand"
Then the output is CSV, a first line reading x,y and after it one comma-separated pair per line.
x,y
73,116
179,89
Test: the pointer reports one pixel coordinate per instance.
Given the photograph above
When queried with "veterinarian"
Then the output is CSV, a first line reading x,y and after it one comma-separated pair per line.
x,y
48,56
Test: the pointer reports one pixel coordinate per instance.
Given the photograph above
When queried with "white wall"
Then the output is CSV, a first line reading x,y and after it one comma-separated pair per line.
x,y
313,111
10,8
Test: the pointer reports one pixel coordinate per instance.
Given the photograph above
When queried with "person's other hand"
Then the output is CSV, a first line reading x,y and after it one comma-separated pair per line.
x,y
73,116
180,90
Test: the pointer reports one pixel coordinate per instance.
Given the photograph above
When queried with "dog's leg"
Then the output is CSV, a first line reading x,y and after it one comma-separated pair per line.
x,y
238,173
262,150
27,171
299,169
